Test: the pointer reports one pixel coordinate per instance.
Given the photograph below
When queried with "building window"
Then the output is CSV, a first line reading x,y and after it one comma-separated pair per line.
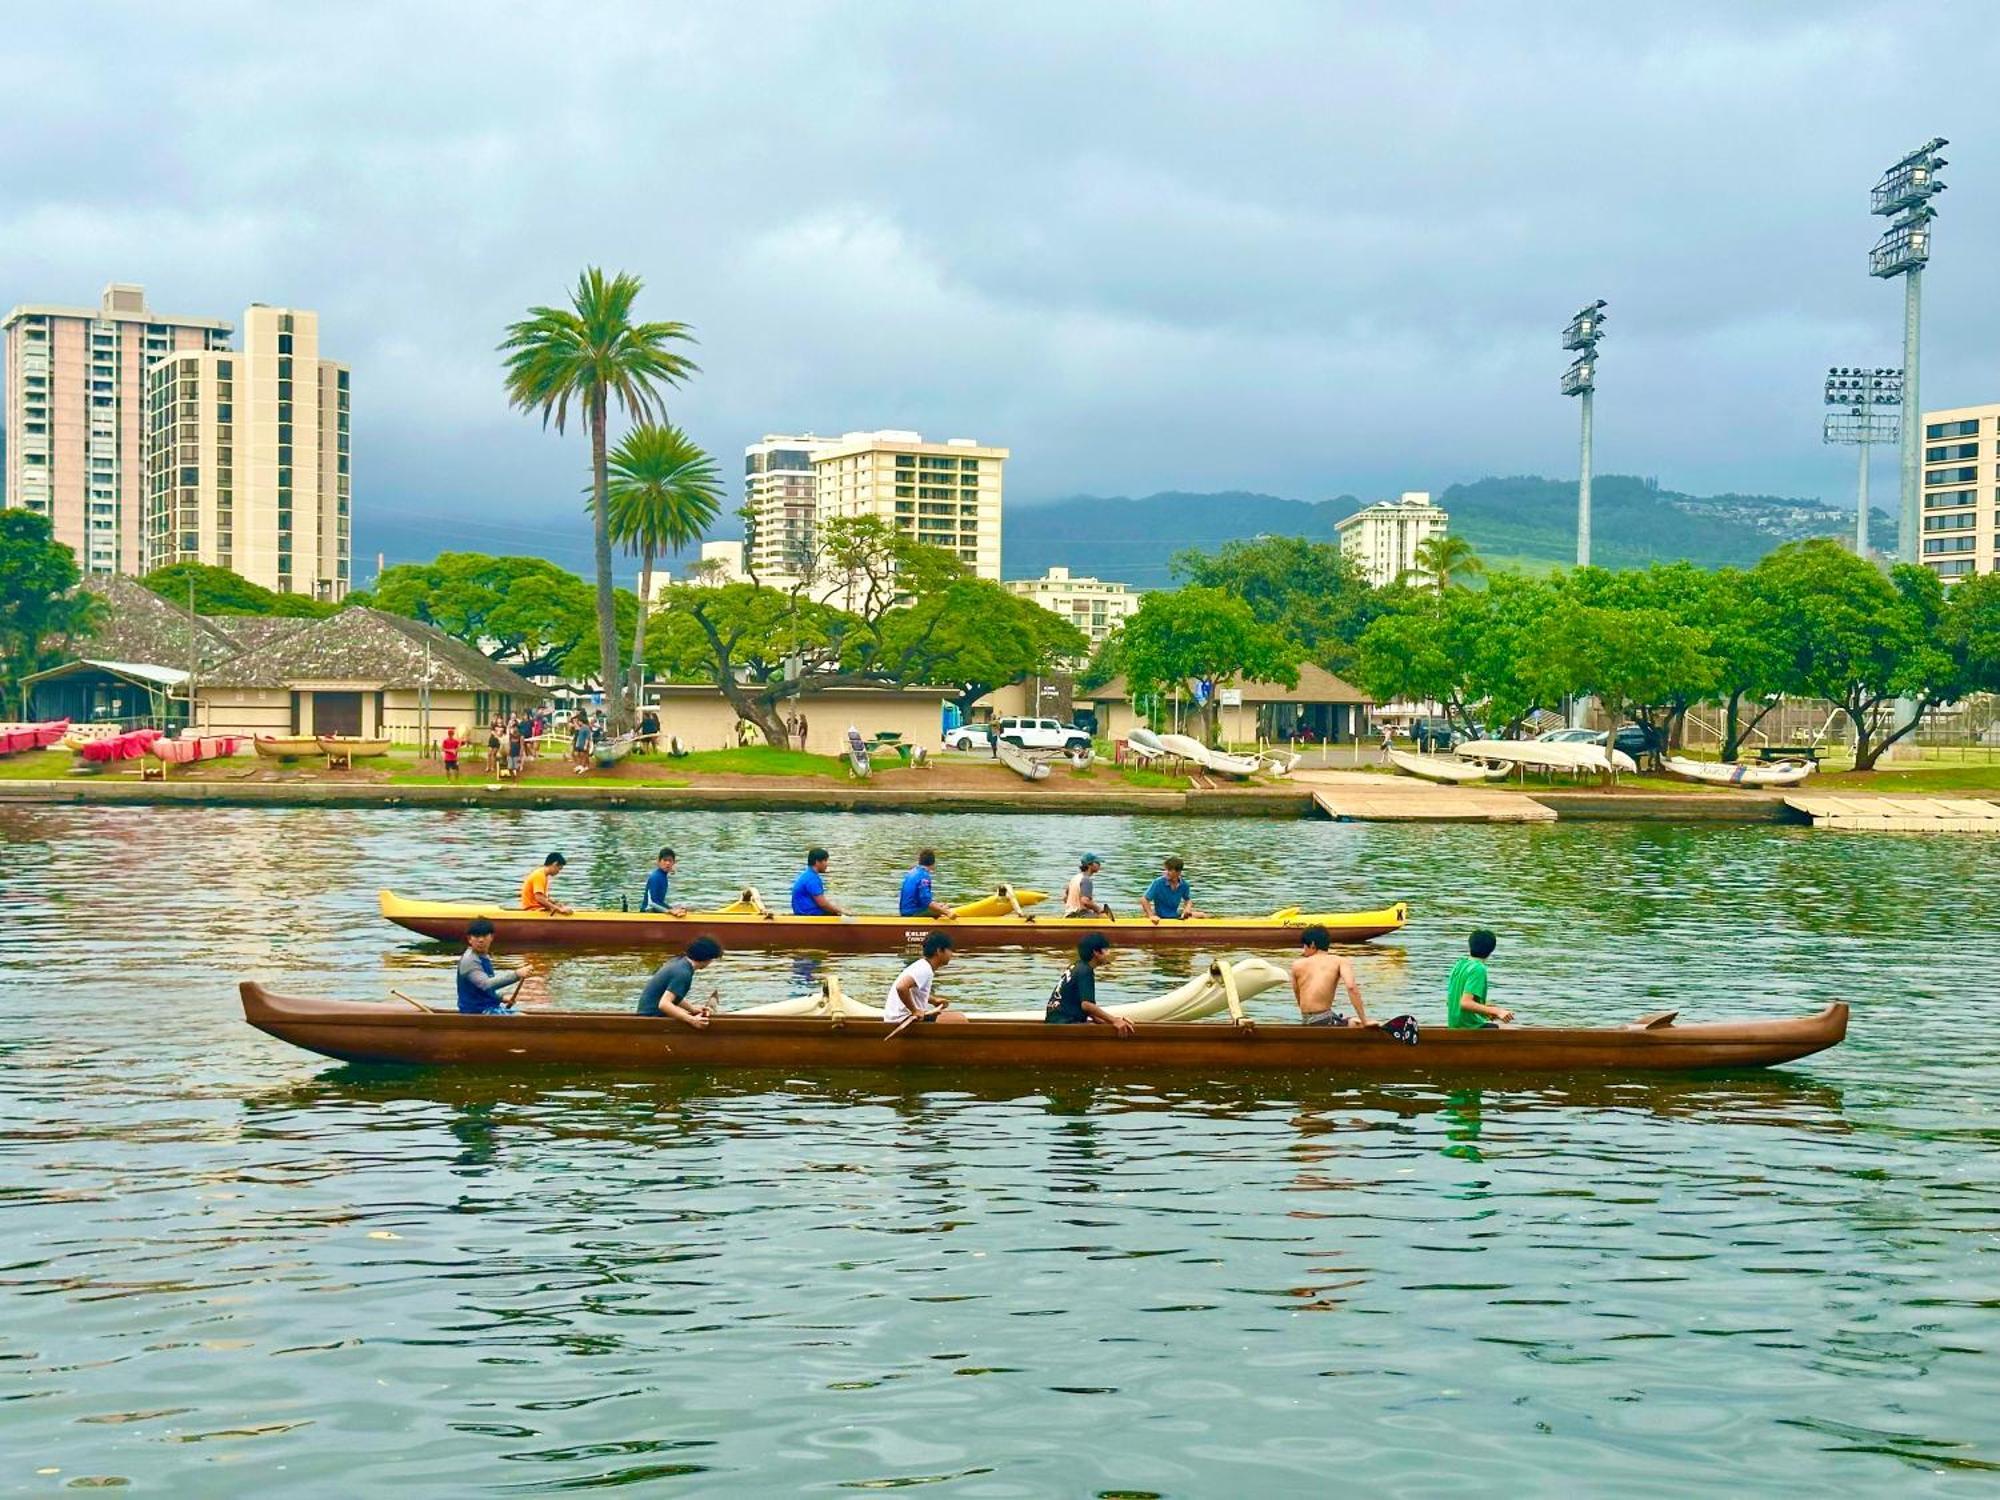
x,y
1967,428
1951,476
1947,453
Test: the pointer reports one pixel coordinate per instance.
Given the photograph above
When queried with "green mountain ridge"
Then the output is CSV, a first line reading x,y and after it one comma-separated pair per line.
x,y
1523,520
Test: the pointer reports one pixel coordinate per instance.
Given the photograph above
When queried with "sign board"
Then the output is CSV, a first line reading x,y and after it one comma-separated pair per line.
x,y
1232,697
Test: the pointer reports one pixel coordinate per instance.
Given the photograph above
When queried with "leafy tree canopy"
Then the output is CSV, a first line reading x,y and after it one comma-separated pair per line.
x,y
1174,640
522,611
39,598
218,591
1311,591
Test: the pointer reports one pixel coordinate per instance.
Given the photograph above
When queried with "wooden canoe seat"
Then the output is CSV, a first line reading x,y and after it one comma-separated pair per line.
x,y
1653,1022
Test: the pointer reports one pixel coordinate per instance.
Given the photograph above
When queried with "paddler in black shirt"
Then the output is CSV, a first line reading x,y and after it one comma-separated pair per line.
x,y
1074,999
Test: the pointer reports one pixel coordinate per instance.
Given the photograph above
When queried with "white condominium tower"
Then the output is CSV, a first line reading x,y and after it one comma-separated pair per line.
x,y
778,504
1383,539
247,460
943,494
1961,489
75,403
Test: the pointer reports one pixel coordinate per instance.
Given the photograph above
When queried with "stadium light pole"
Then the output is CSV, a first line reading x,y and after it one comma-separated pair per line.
x,y
1580,379
1858,398
1903,196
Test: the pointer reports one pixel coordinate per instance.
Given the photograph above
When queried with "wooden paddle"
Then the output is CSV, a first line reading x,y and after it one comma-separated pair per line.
x,y
406,999
907,1022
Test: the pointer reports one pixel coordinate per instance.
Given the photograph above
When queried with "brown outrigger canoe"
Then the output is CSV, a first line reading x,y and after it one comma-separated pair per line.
x,y
746,929
365,1031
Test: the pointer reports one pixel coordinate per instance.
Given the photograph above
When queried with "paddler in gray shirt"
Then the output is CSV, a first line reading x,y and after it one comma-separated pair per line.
x,y
482,989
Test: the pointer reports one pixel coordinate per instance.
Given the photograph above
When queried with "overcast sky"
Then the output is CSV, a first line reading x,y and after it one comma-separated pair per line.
x,y
1305,249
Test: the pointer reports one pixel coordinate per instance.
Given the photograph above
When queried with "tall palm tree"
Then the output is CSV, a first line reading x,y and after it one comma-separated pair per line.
x,y
589,354
1443,561
664,494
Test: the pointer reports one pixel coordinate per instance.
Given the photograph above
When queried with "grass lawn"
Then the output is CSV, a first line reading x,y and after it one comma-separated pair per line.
x,y
1143,776
36,765
763,760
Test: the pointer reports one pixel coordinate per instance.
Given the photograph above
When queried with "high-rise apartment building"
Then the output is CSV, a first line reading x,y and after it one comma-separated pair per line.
x,y
1383,538
1961,529
75,417
247,458
1093,606
778,503
942,494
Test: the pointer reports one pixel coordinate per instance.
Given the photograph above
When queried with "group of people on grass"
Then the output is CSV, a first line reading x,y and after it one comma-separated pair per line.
x,y
1318,975
513,741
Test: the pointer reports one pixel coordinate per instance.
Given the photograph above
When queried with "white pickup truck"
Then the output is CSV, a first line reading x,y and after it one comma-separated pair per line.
x,y
1043,734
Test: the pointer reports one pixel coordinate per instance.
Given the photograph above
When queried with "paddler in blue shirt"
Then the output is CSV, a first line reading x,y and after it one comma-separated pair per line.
x,y
809,897
659,887
1170,898
917,898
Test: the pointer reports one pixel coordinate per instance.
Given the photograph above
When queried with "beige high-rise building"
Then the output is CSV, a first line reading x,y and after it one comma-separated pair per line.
x,y
247,458
779,504
1093,606
1961,528
75,405
1383,538
943,494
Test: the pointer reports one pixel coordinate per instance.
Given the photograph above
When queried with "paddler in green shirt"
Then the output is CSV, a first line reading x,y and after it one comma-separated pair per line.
x,y
1465,992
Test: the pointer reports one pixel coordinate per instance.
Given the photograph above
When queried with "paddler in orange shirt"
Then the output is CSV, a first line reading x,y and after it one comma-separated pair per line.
x,y
535,889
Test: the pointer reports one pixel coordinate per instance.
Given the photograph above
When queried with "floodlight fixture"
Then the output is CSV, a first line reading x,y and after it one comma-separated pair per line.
x,y
1903,196
1581,338
1862,400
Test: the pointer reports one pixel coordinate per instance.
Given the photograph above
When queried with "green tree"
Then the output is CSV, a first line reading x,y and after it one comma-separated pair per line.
x,y
664,495
1312,591
39,599
218,591
1643,665
523,612
1198,634
590,354
977,636
1860,640
856,616
1972,630
1745,647
1444,562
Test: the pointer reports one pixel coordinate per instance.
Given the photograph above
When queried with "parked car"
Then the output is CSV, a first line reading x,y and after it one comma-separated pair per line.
x,y
970,737
1634,739
1043,734
1434,734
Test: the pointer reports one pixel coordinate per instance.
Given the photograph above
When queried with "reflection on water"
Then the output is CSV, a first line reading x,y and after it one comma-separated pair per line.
x,y
230,1265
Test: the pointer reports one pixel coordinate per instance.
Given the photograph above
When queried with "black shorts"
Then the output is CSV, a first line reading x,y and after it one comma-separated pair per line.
x,y
1327,1018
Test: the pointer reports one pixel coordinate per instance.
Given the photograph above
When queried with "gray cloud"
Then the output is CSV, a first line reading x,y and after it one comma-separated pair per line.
x,y
1299,248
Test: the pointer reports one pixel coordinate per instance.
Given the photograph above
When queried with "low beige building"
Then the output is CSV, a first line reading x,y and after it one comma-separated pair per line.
x,y
702,719
1322,709
360,672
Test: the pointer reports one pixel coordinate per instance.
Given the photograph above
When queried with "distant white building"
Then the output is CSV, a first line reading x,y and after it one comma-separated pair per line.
x,y
721,563
1093,606
1383,538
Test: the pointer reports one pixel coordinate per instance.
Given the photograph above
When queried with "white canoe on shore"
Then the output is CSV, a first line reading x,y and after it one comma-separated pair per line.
x,y
1437,768
1552,755
1727,773
1022,762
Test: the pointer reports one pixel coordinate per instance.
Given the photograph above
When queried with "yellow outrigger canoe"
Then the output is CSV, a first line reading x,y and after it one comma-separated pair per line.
x,y
745,924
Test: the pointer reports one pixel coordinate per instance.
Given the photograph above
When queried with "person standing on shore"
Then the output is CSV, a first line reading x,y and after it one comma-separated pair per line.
x,y
579,743
482,989
493,747
451,746
517,749
535,889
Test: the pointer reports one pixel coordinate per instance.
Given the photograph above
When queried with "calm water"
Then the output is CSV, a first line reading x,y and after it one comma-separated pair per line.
x,y
229,1266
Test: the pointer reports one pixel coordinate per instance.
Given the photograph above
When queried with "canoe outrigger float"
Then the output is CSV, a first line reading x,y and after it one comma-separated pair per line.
x,y
616,1042
746,924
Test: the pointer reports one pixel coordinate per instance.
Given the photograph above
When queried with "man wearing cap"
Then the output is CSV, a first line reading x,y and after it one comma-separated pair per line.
x,y
1080,895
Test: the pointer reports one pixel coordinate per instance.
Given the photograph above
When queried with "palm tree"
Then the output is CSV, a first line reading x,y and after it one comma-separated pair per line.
x,y
1442,561
664,493
589,354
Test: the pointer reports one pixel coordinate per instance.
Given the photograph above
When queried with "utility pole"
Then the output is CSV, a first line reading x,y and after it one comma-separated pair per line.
x,y
1903,197
1580,379
1859,398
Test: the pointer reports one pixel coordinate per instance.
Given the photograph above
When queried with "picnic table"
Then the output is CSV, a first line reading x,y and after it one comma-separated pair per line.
x,y
1768,753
